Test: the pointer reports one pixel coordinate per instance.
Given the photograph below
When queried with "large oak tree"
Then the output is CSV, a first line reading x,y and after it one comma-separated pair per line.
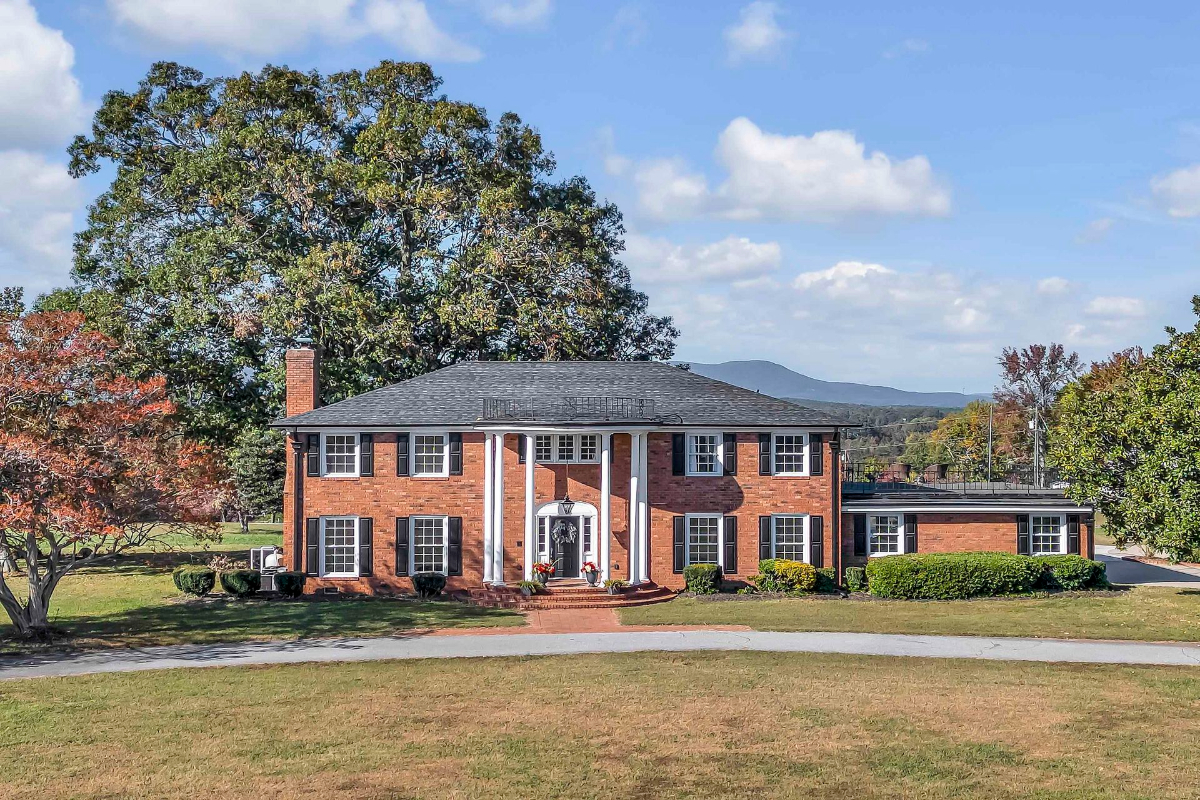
x,y
398,229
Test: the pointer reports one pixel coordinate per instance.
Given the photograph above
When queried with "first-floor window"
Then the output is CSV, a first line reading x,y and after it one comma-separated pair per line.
x,y
703,454
1047,534
339,547
704,539
341,454
884,532
789,537
429,544
429,454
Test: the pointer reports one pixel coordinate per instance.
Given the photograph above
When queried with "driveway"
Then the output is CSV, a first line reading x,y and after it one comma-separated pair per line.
x,y
1136,573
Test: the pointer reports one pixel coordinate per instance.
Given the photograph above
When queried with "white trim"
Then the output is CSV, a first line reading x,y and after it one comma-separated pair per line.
x,y
412,454
321,543
806,533
412,542
687,537
1062,535
635,441
605,532
688,452
489,503
357,453
550,509
498,515
530,523
848,508
899,533
806,463
644,510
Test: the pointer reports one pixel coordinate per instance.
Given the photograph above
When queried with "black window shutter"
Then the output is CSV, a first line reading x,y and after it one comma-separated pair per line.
x,y
312,449
312,546
860,534
1073,534
366,534
731,565
816,544
910,533
401,545
1024,546
456,452
401,453
678,454
816,454
366,454
522,440
454,546
680,549
764,538
729,453
764,454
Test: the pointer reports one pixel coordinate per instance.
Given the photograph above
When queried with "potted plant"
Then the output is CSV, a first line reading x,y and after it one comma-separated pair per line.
x,y
530,588
542,570
615,585
591,572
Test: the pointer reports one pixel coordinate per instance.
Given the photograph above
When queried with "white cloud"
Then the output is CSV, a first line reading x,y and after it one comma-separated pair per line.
x,y
1053,285
40,101
907,47
627,29
1096,230
516,13
37,202
827,177
655,261
756,35
269,27
1116,307
1179,191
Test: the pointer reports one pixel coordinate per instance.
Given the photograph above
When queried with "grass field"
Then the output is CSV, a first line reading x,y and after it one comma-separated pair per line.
x,y
732,725
1146,613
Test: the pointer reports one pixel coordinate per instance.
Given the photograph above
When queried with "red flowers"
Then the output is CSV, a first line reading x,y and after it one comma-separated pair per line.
x,y
589,566
543,568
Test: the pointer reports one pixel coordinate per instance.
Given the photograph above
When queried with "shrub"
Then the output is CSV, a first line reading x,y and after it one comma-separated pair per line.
x,y
951,576
783,575
290,584
428,584
856,579
1071,573
194,579
702,578
241,582
827,582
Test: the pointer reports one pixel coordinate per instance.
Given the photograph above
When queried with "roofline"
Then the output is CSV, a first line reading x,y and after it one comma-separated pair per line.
x,y
974,506
519,425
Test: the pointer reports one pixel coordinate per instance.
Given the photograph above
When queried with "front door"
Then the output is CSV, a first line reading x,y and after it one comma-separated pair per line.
x,y
566,535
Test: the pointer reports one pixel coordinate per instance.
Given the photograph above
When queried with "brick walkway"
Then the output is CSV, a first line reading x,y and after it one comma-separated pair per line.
x,y
581,620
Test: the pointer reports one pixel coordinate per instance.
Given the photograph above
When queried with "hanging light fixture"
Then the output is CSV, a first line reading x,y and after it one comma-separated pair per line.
x,y
566,505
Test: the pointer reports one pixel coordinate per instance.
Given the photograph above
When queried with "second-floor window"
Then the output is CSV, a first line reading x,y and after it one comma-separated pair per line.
x,y
704,454
789,453
340,454
566,448
429,454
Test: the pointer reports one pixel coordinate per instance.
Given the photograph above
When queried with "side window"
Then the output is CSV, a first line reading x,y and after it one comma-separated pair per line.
x,y
340,454
704,454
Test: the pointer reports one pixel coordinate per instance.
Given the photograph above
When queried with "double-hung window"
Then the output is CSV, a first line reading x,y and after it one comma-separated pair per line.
x,y
339,454
566,448
1048,534
704,538
885,534
789,536
789,453
429,455
429,544
704,454
339,547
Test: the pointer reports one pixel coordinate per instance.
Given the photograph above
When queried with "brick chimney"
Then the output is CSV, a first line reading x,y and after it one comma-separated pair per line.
x,y
303,380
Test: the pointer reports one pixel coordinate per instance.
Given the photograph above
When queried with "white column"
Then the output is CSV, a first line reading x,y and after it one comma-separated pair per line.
x,y
498,515
634,493
488,507
644,510
530,541
605,532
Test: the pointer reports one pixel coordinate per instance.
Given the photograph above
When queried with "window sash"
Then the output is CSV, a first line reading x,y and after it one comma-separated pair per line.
x,y
429,544
789,537
885,535
1047,535
339,547
703,454
429,455
339,454
789,453
704,539
566,448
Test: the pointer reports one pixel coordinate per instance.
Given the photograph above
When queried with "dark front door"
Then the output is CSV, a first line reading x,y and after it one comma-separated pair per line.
x,y
566,536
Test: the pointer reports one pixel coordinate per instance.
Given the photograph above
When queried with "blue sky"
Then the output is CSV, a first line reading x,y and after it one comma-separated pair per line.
x,y
874,192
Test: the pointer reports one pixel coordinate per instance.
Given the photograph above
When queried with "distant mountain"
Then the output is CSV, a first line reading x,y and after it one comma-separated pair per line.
x,y
779,381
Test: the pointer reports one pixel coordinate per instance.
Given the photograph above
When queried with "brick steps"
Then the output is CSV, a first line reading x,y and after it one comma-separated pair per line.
x,y
566,596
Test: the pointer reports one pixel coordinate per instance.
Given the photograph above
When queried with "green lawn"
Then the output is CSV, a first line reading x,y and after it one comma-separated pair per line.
x,y
731,725
1147,613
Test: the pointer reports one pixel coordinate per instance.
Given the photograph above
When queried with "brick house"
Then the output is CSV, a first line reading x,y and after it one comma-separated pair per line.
x,y
481,469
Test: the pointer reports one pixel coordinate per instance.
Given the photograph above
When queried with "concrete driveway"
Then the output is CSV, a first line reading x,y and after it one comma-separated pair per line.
x,y
1136,573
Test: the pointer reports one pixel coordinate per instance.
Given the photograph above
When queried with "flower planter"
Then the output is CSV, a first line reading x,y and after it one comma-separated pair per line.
x,y
541,577
592,577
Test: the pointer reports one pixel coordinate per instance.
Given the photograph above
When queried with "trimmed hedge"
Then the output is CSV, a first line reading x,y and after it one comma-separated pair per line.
x,y
952,576
703,578
290,584
428,584
194,579
784,575
1071,573
241,582
856,579
827,582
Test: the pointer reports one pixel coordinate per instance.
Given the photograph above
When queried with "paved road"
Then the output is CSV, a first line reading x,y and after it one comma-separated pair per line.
x,y
525,644
1139,574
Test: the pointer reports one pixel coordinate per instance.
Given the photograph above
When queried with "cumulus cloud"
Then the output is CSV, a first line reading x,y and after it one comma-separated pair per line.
x,y
627,29
658,261
827,177
269,27
756,34
1179,191
516,13
1116,307
37,202
1053,286
40,100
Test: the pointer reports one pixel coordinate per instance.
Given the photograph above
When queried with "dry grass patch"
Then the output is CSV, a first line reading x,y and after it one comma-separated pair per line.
x,y
736,725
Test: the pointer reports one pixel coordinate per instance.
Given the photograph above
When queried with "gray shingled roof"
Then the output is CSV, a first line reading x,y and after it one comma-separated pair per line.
x,y
455,395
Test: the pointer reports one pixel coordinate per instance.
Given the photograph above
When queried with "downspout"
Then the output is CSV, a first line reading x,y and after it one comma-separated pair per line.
x,y
297,502
836,499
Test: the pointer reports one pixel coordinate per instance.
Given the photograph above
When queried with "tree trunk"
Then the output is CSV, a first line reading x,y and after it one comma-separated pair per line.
x,y
245,520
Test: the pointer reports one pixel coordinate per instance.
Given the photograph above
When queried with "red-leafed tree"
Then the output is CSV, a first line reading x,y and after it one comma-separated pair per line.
x,y
91,462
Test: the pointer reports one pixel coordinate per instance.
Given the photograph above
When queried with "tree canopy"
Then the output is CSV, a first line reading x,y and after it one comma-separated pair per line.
x,y
396,228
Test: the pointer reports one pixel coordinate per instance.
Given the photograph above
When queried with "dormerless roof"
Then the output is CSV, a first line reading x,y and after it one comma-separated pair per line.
x,y
456,395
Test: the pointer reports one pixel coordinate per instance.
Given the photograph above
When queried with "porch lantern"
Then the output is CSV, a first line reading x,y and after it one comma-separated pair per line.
x,y
566,505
